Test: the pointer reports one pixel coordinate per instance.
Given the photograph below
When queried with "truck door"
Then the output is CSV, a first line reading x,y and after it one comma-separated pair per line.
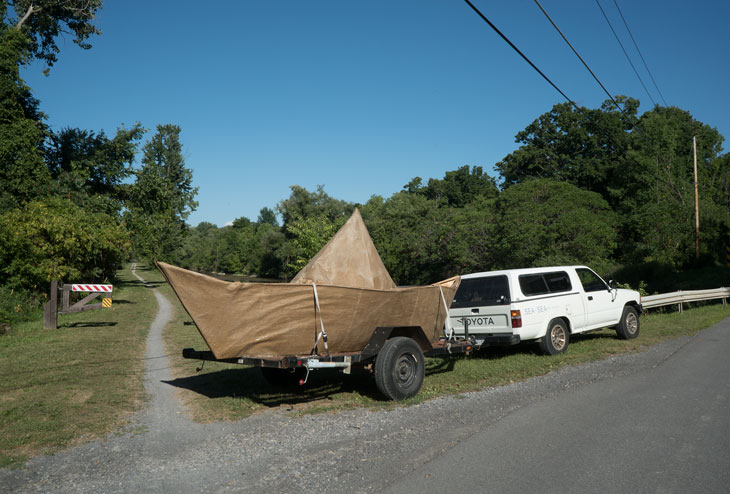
x,y
598,300
484,302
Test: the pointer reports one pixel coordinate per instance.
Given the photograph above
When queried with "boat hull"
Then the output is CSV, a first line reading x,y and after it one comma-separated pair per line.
x,y
270,320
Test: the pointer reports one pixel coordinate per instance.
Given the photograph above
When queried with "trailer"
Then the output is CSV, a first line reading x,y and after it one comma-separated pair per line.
x,y
280,327
394,355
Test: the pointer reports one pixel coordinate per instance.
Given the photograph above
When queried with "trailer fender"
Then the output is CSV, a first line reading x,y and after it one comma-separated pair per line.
x,y
383,334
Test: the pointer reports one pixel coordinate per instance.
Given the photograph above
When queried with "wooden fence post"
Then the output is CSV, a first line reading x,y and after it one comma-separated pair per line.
x,y
50,308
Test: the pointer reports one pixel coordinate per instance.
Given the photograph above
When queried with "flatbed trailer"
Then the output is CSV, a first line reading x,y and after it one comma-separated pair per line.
x,y
394,354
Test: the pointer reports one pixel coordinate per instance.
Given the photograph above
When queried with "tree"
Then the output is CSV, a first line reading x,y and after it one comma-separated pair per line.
x,y
56,240
42,21
302,204
545,222
458,188
91,168
23,175
581,146
307,236
28,31
411,234
268,216
162,197
658,195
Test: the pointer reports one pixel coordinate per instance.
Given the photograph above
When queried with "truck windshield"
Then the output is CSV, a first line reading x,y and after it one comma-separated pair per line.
x,y
478,292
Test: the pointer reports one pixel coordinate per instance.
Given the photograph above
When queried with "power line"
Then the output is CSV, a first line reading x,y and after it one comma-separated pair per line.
x,y
625,53
639,51
584,62
520,53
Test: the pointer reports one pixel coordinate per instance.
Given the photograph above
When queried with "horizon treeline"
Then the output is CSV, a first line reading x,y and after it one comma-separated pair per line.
x,y
585,186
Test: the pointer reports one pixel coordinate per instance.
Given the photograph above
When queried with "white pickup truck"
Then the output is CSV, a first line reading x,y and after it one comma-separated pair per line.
x,y
543,304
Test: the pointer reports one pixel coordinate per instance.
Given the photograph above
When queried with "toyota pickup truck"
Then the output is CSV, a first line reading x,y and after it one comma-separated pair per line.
x,y
546,305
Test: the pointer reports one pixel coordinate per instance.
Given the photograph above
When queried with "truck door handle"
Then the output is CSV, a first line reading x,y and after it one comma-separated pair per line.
x,y
475,311
590,297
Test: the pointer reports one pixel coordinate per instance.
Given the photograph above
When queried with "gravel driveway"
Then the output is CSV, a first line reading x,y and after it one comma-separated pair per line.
x,y
352,451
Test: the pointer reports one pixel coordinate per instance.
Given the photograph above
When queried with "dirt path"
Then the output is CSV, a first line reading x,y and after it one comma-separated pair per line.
x,y
164,417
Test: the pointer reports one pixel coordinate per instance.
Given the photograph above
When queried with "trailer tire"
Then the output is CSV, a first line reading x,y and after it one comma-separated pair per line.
x,y
628,326
283,378
556,338
400,368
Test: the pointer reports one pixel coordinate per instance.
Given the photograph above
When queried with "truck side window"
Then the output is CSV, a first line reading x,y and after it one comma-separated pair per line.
x,y
542,283
590,280
479,292
533,284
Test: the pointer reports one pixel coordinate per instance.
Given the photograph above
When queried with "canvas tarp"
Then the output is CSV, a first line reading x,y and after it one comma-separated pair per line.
x,y
269,320
348,259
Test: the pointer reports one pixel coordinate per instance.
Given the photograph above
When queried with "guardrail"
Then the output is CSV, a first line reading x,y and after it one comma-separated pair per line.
x,y
678,298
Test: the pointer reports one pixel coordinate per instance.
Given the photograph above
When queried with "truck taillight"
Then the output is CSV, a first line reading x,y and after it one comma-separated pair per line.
x,y
516,319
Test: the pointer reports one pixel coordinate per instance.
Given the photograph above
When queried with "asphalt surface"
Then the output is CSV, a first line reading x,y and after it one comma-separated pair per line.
x,y
658,421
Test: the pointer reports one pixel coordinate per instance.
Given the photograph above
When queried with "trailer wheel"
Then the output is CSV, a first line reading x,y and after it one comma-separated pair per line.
x,y
400,368
556,339
283,378
628,326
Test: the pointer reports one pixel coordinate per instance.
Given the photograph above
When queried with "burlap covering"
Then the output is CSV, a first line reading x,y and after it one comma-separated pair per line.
x,y
348,259
270,320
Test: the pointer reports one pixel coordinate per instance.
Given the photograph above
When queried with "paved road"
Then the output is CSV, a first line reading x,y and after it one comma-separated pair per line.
x,y
663,429
651,422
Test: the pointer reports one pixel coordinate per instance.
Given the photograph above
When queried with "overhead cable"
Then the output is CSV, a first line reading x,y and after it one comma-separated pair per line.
x,y
639,51
520,53
625,53
581,59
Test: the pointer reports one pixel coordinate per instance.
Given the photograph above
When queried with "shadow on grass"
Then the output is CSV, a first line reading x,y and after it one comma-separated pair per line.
x,y
249,383
88,324
137,283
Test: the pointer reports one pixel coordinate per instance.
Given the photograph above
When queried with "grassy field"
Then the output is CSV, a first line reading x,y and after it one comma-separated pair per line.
x,y
78,382
228,392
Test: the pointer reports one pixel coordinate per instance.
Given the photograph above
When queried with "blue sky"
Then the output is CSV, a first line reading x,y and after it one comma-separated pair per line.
x,y
363,96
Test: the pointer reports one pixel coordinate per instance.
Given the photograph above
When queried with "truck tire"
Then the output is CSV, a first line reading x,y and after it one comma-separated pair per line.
x,y
556,338
283,378
628,326
400,368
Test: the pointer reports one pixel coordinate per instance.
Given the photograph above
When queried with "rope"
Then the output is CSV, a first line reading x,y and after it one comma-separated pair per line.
x,y
448,329
322,334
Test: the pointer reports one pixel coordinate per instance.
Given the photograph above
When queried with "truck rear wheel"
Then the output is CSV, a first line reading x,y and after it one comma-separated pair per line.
x,y
400,368
628,326
556,339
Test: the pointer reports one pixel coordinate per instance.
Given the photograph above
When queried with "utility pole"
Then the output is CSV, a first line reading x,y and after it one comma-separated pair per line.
x,y
697,203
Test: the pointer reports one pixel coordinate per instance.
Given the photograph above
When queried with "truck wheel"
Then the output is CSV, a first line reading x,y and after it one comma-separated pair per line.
x,y
556,339
628,326
399,368
283,378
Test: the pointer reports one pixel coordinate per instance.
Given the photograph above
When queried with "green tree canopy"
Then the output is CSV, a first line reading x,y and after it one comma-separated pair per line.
x,y
584,147
91,168
161,197
546,222
42,21
458,188
55,240
302,204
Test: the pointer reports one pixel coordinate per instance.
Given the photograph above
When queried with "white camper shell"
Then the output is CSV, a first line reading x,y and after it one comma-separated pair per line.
x,y
543,304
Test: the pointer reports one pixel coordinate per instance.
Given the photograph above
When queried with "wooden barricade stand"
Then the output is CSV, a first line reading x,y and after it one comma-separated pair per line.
x,y
50,309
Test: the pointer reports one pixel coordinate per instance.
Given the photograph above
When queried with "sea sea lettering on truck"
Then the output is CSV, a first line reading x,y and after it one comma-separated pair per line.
x,y
528,311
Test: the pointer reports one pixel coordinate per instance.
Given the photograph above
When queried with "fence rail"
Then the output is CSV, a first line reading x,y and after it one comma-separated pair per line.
x,y
681,297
